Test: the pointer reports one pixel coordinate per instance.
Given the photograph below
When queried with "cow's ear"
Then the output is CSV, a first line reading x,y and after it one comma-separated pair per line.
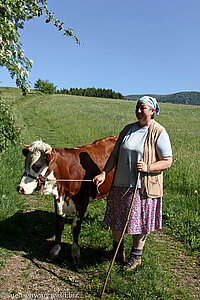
x,y
25,151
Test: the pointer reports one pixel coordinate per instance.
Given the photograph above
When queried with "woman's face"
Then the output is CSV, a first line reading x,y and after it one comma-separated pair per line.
x,y
144,113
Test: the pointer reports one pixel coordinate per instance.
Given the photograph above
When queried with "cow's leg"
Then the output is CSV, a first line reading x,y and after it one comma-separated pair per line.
x,y
76,227
59,229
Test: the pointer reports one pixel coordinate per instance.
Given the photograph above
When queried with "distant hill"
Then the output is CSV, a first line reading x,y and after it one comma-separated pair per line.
x,y
192,98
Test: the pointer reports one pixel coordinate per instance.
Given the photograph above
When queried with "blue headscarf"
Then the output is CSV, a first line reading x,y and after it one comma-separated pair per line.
x,y
151,102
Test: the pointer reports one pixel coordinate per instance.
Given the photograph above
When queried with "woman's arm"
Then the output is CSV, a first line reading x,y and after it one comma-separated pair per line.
x,y
110,164
162,164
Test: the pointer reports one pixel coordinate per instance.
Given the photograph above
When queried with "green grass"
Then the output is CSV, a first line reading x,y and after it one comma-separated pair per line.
x,y
12,166
67,121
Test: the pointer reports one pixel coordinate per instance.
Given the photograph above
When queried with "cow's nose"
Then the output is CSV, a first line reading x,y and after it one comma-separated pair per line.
x,y
20,189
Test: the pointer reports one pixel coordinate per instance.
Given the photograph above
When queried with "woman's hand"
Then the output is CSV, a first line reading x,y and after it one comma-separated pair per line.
x,y
99,179
141,166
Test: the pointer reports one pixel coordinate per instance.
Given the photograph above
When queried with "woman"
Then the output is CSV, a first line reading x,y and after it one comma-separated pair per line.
x,y
144,147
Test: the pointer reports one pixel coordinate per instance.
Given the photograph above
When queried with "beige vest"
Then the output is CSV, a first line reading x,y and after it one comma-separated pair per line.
x,y
152,184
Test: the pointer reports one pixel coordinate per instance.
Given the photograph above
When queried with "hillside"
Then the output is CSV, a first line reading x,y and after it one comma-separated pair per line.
x,y
192,98
170,268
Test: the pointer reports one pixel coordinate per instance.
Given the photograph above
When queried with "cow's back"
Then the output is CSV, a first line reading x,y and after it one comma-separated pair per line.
x,y
83,163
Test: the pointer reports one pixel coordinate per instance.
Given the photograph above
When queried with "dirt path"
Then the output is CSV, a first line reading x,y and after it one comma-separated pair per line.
x,y
25,278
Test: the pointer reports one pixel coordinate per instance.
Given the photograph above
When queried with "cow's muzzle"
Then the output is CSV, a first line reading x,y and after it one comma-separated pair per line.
x,y
40,183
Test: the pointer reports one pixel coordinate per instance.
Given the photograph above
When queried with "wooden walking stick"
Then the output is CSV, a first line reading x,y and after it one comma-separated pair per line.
x,y
122,236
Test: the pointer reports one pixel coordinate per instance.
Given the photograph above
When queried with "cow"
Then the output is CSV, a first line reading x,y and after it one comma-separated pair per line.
x,y
67,174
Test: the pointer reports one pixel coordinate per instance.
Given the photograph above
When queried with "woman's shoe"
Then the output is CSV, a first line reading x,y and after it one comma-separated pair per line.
x,y
132,263
110,254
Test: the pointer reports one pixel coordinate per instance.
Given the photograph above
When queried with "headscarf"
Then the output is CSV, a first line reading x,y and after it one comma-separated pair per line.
x,y
151,102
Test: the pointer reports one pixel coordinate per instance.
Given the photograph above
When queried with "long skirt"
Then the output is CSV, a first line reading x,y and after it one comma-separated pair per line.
x,y
146,214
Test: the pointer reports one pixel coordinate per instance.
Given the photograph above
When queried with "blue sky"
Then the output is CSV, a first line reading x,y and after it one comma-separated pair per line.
x,y
130,46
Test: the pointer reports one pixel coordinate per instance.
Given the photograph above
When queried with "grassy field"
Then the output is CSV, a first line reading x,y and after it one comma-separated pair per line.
x,y
67,121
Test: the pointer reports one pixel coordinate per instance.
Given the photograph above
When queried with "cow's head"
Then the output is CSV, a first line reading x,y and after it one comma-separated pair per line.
x,y
38,156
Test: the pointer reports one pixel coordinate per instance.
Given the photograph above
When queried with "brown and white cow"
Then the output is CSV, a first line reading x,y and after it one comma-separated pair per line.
x,y
45,166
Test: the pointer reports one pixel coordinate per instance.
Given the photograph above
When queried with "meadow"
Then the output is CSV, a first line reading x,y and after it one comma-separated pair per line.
x,y
71,121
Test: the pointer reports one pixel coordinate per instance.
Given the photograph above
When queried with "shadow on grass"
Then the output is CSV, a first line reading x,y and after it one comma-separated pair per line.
x,y
33,232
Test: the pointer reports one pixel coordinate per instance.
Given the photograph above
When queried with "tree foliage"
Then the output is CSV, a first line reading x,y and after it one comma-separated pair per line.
x,y
45,86
8,129
192,98
13,15
181,98
92,92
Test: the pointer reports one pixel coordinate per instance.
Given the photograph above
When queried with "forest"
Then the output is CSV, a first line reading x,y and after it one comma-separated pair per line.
x,y
92,92
192,98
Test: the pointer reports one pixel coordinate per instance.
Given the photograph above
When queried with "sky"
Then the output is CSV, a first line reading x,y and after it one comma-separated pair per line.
x,y
129,46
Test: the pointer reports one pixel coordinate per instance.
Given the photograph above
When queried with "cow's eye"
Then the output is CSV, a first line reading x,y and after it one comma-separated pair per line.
x,y
36,168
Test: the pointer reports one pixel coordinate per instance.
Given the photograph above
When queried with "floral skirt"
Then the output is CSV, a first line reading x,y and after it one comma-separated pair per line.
x,y
146,214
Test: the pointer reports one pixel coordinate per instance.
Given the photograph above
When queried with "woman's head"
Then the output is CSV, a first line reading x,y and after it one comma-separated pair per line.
x,y
151,102
146,109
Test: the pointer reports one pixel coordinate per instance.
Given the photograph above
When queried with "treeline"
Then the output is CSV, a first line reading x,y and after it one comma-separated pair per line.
x,y
47,87
92,92
192,98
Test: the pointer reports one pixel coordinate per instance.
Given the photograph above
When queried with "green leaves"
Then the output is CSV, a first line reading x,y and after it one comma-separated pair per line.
x,y
13,14
8,130
45,86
